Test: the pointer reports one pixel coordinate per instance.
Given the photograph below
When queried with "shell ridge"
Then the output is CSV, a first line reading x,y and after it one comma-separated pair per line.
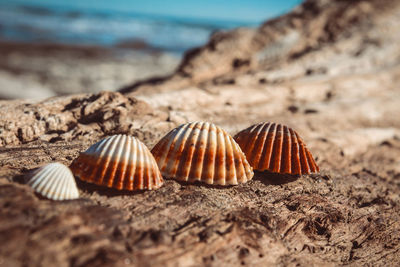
x,y
253,155
194,137
256,154
266,149
219,169
198,158
174,153
68,192
303,157
57,185
231,160
286,164
271,140
43,172
71,183
108,158
126,152
41,177
201,144
157,179
141,164
247,167
239,165
169,151
134,161
98,146
244,138
277,149
209,159
296,165
61,189
118,161
34,180
102,160
45,184
147,170
311,161
186,158
154,173
159,149
164,159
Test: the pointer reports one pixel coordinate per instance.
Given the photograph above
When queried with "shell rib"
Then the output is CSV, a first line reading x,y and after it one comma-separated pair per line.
x,y
119,161
276,148
54,181
201,151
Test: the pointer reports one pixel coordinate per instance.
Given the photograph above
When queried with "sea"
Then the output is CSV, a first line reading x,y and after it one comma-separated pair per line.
x,y
68,25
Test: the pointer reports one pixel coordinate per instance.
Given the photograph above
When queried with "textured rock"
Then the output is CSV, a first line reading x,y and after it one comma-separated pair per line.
x,y
69,117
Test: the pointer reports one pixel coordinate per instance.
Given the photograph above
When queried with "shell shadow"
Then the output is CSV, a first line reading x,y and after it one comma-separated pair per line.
x,y
201,184
20,178
24,176
105,191
270,178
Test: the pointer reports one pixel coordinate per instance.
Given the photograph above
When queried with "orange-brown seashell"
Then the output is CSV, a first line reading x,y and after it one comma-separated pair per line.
x,y
119,161
276,148
201,151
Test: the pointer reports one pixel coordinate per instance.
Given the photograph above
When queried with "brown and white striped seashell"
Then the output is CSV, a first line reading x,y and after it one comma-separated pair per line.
x,y
202,151
54,181
276,148
118,161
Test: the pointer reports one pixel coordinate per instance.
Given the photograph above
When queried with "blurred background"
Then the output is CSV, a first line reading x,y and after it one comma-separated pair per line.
x,y
54,47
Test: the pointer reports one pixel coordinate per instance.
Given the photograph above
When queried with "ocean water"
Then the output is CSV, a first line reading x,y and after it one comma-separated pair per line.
x,y
68,25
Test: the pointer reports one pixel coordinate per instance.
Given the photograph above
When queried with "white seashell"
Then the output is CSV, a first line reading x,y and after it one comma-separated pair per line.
x,y
118,161
202,151
54,181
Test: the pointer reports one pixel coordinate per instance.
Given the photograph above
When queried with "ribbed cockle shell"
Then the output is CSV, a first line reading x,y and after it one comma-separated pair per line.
x,y
119,161
54,181
201,151
276,148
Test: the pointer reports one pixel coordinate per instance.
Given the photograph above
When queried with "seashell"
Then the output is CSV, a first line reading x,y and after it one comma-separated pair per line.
x,y
54,181
276,148
118,161
202,151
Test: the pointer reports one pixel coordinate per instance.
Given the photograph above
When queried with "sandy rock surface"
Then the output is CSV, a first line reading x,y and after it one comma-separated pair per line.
x,y
342,96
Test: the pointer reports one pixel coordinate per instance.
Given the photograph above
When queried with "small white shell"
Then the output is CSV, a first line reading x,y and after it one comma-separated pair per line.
x,y
54,181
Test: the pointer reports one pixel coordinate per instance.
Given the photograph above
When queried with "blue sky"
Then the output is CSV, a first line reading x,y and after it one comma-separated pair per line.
x,y
254,11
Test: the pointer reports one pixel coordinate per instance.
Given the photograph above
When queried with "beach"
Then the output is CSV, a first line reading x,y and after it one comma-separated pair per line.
x,y
56,69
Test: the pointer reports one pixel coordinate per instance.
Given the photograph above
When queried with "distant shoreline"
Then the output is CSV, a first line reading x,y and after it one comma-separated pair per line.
x,y
41,70
85,50
22,22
